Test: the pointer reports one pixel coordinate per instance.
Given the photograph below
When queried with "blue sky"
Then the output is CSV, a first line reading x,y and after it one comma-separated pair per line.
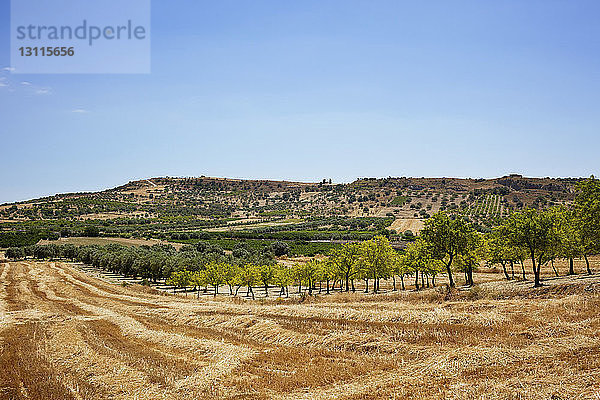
x,y
306,90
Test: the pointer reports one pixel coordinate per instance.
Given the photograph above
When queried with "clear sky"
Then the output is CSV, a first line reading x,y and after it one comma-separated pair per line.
x,y
305,90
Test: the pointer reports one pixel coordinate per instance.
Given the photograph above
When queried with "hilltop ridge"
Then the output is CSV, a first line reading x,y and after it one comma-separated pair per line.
x,y
210,197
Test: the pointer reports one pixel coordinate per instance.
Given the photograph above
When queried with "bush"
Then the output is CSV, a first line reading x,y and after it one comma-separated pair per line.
x,y
91,231
280,248
15,253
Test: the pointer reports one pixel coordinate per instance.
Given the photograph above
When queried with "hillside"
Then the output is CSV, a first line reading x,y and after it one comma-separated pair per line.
x,y
221,197
182,209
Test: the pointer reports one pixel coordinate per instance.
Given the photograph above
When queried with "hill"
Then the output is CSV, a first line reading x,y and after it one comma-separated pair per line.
x,y
222,197
184,209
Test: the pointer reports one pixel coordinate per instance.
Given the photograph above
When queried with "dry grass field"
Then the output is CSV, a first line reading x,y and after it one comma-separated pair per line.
x,y
67,335
411,224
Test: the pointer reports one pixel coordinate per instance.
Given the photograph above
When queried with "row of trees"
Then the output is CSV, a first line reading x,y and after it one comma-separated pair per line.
x,y
151,263
373,259
542,236
370,261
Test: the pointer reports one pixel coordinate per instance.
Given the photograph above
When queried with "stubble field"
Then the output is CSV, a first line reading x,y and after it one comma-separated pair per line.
x,y
67,335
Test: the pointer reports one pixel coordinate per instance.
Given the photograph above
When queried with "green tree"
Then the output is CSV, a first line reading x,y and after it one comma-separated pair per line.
x,y
400,269
377,259
266,273
283,278
327,272
230,272
197,279
179,279
448,238
570,245
248,276
498,249
214,275
587,203
308,273
418,257
345,261
91,231
535,232
15,253
280,248
468,261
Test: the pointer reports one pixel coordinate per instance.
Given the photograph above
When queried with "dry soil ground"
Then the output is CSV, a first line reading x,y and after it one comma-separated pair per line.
x,y
66,335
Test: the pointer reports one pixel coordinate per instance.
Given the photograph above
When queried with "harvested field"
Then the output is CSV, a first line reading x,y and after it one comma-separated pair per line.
x,y
67,335
407,224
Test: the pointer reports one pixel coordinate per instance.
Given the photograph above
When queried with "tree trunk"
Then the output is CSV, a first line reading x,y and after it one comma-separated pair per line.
x,y
416,280
394,280
367,285
512,268
536,272
504,270
353,288
523,268
402,281
328,285
571,267
347,283
449,271
374,282
587,264
266,290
